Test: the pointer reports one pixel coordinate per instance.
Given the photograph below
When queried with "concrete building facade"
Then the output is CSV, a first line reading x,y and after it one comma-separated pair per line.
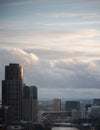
x,y
57,105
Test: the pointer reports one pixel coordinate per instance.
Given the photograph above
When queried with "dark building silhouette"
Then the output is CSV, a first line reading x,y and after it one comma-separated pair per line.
x,y
2,115
13,72
30,103
96,101
12,92
72,105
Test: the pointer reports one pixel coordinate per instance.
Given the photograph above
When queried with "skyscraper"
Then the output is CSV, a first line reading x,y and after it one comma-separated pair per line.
x,y
12,91
30,103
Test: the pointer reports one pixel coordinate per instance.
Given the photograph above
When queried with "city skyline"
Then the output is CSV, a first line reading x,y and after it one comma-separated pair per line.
x,y
19,99
57,42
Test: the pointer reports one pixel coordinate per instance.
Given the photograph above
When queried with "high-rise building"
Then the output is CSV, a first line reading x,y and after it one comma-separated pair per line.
x,y
72,105
57,105
2,115
12,91
30,103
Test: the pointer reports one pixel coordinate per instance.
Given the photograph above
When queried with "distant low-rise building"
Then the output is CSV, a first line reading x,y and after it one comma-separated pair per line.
x,y
76,114
96,101
57,105
95,110
70,105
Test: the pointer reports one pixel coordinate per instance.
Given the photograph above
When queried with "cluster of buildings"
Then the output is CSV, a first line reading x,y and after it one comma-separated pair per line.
x,y
70,111
61,112
19,102
94,109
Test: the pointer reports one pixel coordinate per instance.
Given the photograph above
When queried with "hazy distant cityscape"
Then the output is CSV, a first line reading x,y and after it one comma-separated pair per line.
x,y
20,108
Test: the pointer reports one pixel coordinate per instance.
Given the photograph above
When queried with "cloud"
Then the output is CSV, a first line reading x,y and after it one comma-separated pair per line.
x,y
59,45
59,15
69,15
62,53
11,3
61,77
19,38
15,56
11,24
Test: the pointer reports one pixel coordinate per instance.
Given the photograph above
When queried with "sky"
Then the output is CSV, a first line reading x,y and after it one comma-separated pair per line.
x,y
57,42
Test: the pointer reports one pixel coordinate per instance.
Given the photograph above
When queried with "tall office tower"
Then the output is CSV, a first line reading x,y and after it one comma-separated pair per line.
x,y
30,108
72,105
57,105
12,91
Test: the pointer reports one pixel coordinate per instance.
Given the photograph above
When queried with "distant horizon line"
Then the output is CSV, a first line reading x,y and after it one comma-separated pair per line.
x,y
64,99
